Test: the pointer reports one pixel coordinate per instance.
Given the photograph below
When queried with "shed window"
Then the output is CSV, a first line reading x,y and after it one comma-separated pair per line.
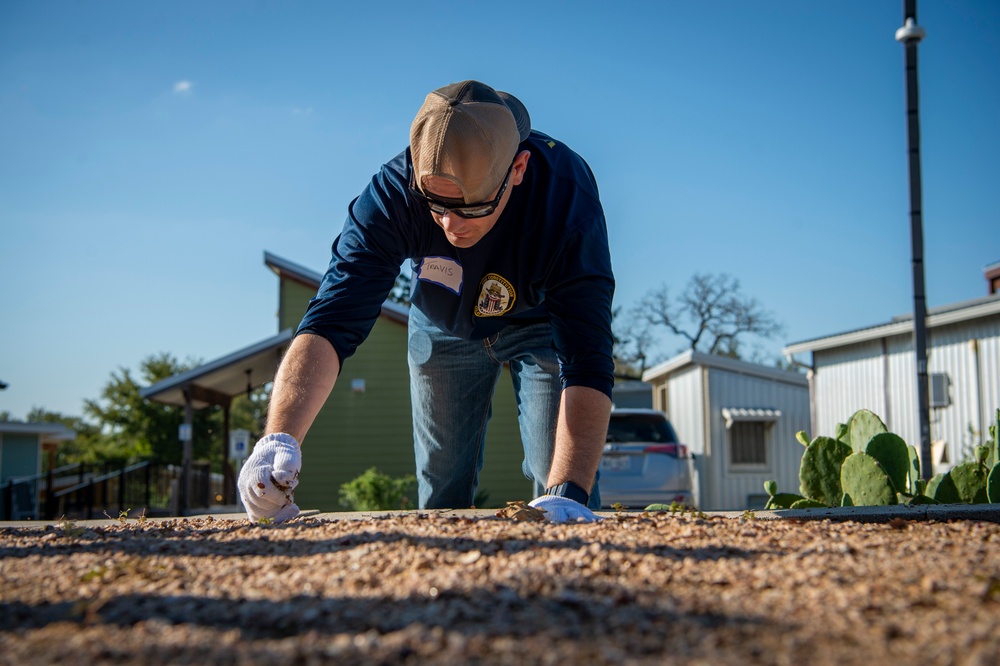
x,y
748,443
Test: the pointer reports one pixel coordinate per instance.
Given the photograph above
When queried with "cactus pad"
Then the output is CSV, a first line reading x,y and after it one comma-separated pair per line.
x,y
864,425
865,483
890,451
783,501
970,482
808,504
819,472
914,469
993,485
942,489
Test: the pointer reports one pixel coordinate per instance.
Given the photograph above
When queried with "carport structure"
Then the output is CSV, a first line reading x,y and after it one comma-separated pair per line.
x,y
216,384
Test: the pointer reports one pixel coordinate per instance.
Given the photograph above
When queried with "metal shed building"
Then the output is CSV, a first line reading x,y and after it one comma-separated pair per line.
x,y
739,420
874,368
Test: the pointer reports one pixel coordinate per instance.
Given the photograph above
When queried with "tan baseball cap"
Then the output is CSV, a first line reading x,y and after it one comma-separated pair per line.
x,y
468,133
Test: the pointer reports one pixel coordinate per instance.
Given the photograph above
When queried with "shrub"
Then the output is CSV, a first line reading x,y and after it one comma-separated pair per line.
x,y
375,491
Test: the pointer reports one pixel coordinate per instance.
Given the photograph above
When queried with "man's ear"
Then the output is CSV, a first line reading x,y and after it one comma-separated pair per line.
x,y
520,166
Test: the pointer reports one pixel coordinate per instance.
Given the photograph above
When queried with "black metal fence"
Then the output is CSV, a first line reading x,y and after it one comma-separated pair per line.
x,y
92,491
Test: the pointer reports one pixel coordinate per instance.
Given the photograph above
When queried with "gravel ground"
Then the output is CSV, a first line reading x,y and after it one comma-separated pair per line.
x,y
451,589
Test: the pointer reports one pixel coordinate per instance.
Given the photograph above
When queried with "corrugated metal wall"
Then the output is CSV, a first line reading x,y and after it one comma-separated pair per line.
x,y
850,379
695,397
784,453
684,408
860,376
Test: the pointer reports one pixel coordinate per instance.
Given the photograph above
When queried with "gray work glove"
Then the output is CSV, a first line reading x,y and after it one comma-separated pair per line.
x,y
268,478
563,509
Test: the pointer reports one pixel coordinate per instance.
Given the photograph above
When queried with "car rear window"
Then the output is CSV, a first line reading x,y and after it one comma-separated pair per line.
x,y
640,428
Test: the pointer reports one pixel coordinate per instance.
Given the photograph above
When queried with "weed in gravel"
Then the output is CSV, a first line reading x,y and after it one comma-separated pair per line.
x,y
122,516
70,529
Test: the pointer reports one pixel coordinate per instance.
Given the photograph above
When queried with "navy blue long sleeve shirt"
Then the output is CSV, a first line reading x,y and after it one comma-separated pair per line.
x,y
545,259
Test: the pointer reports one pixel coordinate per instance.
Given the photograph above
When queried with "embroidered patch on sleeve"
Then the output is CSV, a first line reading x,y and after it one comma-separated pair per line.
x,y
444,271
496,296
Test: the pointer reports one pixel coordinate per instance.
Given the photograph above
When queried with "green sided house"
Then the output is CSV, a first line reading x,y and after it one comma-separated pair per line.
x,y
366,421
22,446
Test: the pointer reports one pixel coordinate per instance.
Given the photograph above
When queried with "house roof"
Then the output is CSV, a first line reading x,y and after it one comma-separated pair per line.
x,y
691,357
941,316
218,381
47,431
292,271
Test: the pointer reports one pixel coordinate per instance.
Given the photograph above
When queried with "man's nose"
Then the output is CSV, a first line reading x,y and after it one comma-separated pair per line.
x,y
450,220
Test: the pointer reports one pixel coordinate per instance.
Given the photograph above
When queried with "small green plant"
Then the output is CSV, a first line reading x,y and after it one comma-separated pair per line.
x,y
97,572
265,520
122,516
70,529
618,506
748,515
375,491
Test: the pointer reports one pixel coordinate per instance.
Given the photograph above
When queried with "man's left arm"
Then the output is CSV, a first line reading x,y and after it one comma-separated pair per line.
x,y
580,434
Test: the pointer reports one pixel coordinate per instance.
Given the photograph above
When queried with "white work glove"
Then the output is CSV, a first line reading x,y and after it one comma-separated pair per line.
x,y
563,509
268,478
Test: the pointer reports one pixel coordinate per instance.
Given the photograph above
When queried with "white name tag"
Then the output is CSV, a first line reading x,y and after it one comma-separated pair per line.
x,y
444,271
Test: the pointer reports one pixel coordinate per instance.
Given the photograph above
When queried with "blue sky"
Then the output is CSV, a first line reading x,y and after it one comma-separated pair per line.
x,y
150,152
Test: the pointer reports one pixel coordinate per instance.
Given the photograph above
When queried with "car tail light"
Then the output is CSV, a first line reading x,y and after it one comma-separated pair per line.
x,y
679,450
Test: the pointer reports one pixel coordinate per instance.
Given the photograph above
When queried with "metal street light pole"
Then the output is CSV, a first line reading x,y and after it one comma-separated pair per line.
x,y
910,35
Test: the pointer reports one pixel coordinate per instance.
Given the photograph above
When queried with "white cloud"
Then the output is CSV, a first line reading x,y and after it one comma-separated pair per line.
x,y
183,88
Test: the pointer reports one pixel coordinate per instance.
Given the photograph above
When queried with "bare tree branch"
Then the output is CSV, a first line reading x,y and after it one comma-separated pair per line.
x,y
711,314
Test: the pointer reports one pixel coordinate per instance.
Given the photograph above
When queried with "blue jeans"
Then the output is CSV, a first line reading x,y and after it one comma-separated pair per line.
x,y
451,390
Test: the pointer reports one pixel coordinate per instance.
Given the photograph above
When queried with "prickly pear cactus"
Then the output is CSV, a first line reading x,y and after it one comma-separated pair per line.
x,y
970,482
890,451
843,433
783,501
865,483
819,472
942,489
993,485
915,480
808,504
771,487
864,425
994,443
802,437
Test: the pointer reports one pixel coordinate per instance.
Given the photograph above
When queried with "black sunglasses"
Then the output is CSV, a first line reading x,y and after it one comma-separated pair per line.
x,y
441,207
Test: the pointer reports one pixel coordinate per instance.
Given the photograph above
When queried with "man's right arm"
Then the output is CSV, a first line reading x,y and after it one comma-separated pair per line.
x,y
302,385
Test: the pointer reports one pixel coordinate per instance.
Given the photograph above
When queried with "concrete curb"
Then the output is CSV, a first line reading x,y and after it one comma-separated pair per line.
x,y
864,514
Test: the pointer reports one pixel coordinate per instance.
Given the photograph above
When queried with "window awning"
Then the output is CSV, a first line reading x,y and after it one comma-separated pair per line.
x,y
740,414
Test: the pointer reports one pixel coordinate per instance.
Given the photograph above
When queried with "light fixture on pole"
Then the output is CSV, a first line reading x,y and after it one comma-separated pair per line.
x,y
910,35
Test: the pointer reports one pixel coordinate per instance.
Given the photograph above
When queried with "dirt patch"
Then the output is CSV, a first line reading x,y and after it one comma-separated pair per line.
x,y
439,588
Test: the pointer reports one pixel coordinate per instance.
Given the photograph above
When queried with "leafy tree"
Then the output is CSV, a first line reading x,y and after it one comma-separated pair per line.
x,y
140,429
122,428
710,314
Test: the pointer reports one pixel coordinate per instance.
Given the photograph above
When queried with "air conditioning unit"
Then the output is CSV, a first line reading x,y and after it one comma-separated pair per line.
x,y
940,395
